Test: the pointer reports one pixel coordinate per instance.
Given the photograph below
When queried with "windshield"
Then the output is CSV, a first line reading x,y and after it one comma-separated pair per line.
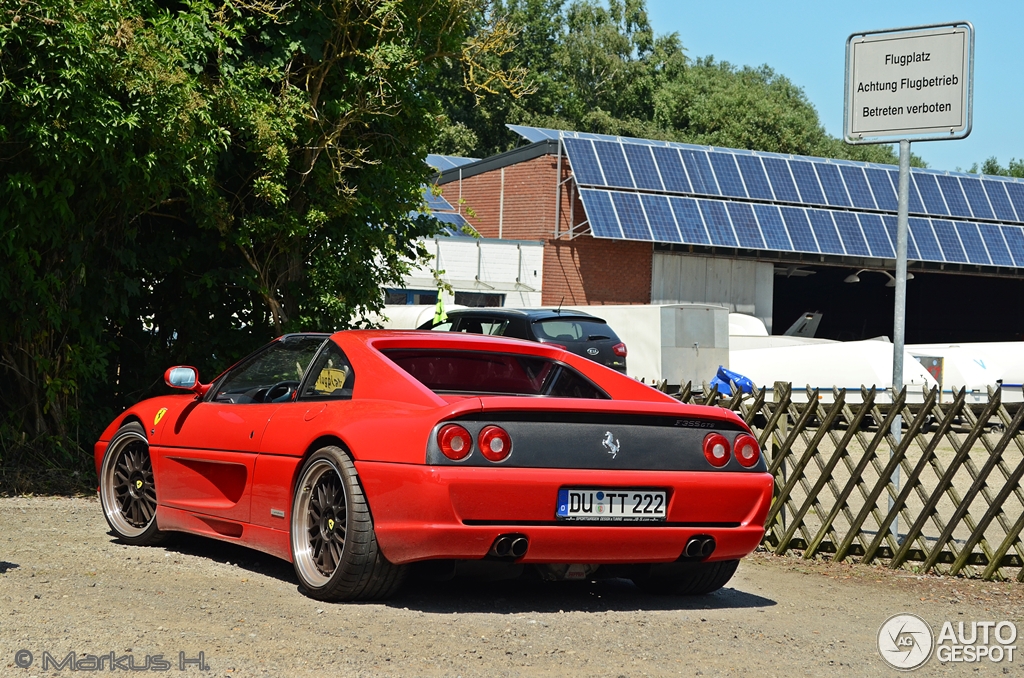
x,y
272,374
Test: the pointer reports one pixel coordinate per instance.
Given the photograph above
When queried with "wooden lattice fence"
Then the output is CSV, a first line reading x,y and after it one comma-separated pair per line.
x,y
945,497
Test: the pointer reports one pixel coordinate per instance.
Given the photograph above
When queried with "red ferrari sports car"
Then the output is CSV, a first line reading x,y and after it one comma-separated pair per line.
x,y
359,454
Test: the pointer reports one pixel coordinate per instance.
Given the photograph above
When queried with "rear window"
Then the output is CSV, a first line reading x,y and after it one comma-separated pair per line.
x,y
483,373
572,329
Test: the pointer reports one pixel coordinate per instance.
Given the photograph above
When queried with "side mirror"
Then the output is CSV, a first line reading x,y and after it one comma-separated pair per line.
x,y
184,377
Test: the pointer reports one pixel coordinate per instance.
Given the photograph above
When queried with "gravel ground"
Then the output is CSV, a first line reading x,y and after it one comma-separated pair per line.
x,y
67,586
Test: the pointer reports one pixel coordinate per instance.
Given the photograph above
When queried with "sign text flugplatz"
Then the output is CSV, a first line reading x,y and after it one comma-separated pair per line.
x,y
907,83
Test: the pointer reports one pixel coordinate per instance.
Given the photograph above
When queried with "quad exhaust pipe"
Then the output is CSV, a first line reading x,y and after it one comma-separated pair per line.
x,y
700,546
509,546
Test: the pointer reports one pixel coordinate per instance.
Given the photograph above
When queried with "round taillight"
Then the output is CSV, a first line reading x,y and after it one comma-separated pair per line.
x,y
716,450
455,442
495,443
747,450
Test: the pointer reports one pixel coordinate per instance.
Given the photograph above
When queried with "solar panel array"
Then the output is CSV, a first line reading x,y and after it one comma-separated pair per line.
x,y
447,162
653,190
439,208
806,181
697,221
436,202
443,211
535,134
454,224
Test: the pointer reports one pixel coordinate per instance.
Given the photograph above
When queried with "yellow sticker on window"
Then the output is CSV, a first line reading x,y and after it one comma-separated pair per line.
x,y
159,415
330,380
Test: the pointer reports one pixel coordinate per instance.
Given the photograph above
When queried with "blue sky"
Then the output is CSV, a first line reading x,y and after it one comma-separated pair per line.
x,y
806,42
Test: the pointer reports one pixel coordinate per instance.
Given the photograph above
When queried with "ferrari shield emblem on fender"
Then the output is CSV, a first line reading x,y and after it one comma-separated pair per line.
x,y
610,443
159,415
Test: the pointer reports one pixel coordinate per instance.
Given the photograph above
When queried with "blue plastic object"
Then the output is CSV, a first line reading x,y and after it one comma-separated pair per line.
x,y
724,381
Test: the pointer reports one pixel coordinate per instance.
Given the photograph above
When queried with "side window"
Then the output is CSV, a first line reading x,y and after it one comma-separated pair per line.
x,y
272,375
516,328
330,375
483,325
495,326
569,383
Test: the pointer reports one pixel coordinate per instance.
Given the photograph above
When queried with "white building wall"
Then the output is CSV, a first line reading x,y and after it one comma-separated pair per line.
x,y
679,342
509,267
743,286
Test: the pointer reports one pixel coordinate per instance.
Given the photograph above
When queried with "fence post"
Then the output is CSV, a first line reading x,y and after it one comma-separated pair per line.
x,y
783,428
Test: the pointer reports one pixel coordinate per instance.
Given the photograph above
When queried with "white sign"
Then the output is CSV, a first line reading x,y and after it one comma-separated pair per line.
x,y
908,83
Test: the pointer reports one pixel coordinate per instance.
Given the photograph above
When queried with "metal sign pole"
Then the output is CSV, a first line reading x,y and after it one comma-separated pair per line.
x,y
887,73
899,324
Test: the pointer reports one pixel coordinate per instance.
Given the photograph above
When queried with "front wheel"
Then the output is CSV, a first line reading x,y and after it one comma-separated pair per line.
x,y
687,579
334,548
127,488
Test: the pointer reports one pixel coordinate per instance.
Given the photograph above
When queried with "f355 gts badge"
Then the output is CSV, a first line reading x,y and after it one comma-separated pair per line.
x,y
610,443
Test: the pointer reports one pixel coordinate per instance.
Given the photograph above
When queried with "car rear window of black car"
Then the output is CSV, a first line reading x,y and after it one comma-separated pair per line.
x,y
572,329
484,373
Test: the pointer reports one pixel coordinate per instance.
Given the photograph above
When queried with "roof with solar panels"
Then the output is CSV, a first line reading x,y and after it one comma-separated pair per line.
x,y
455,225
674,193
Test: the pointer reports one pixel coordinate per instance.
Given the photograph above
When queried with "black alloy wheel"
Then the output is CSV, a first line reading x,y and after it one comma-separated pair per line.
x,y
334,548
128,488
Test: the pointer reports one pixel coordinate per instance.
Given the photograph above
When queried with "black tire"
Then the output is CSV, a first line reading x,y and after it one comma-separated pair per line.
x,y
687,579
128,488
333,564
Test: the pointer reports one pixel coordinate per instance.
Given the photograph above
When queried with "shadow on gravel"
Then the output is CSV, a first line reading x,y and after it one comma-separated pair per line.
x,y
231,554
470,595
5,566
603,595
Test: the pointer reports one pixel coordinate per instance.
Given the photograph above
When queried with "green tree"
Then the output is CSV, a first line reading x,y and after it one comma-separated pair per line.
x,y
755,108
97,127
180,181
1015,168
600,67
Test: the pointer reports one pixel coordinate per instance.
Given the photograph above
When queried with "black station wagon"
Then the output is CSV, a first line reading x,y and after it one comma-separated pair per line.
x,y
575,331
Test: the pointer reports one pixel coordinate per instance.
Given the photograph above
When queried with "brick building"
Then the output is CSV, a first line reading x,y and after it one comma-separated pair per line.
x,y
522,195
633,221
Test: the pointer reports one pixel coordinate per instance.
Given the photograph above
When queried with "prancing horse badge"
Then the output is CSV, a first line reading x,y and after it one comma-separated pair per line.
x,y
610,443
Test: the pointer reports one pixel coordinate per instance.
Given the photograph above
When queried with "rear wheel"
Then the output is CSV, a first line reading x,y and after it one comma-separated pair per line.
x,y
334,548
687,579
127,488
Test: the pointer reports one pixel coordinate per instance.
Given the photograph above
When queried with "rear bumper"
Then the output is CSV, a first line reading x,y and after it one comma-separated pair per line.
x,y
432,512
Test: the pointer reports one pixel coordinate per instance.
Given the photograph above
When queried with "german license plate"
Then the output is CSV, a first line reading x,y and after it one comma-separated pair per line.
x,y
613,504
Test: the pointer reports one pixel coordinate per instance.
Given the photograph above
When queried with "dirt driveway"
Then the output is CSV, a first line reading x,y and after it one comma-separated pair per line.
x,y
67,586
